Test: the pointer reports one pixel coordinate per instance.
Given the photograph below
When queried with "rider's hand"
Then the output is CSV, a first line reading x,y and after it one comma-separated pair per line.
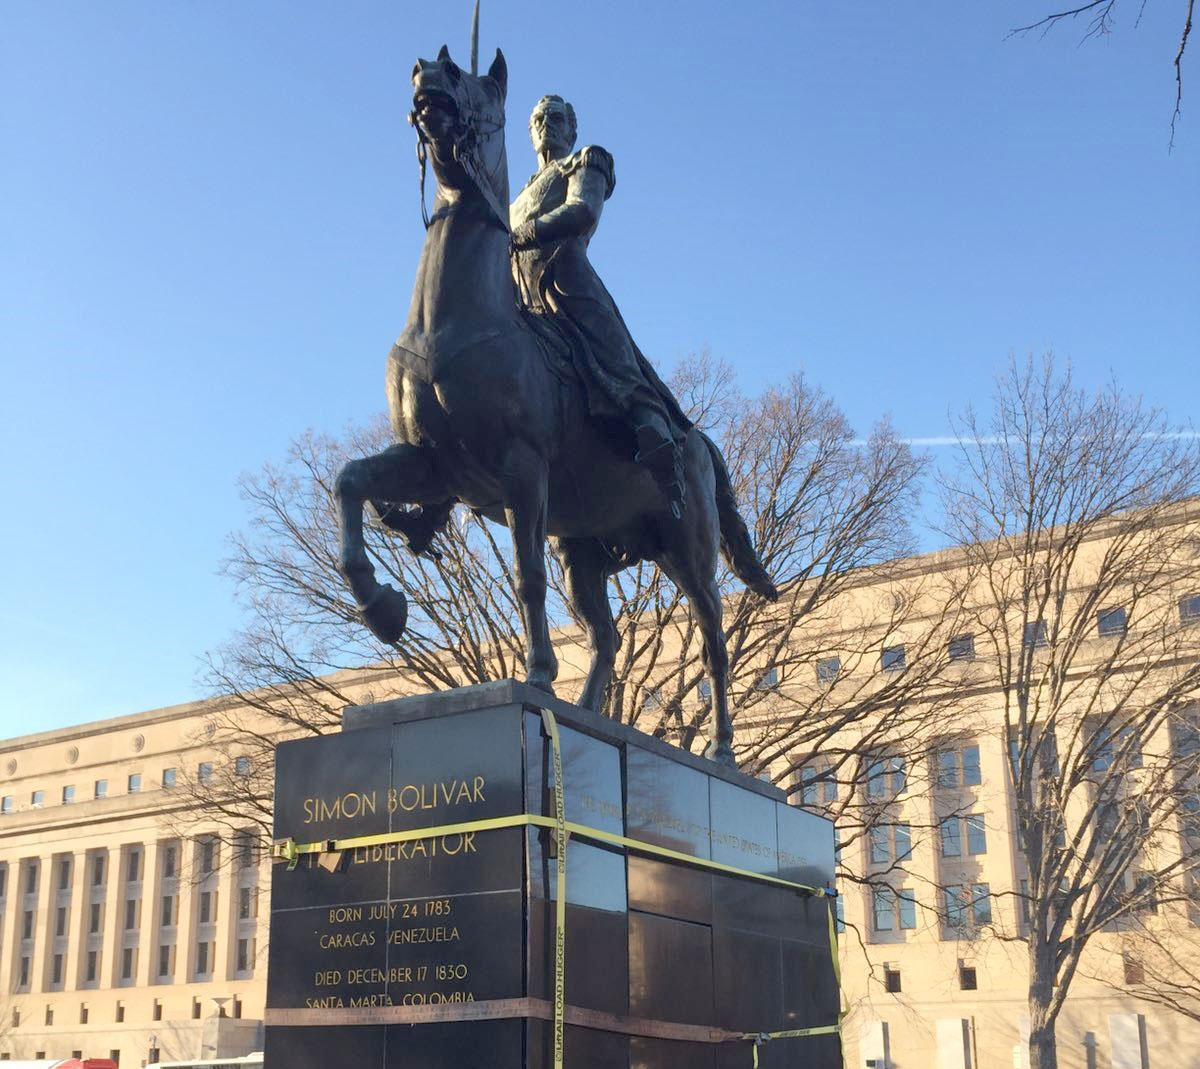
x,y
524,235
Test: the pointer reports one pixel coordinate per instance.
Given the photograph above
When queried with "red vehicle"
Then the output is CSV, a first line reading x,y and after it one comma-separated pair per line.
x,y
64,1063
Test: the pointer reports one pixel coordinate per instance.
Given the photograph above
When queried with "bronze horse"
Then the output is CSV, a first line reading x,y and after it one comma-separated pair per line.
x,y
485,413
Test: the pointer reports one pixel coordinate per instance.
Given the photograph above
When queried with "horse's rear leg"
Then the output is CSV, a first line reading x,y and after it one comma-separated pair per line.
x,y
587,565
403,473
525,480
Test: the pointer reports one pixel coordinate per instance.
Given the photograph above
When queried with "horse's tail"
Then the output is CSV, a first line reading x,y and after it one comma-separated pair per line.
x,y
736,546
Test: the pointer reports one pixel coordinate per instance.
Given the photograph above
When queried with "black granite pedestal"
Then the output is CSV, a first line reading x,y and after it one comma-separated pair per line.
x,y
426,954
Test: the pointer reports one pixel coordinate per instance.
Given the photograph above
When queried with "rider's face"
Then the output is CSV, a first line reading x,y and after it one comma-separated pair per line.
x,y
551,132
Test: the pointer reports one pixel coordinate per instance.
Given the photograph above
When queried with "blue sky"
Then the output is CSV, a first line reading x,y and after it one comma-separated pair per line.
x,y
210,228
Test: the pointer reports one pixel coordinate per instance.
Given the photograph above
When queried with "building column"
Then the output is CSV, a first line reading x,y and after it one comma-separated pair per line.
x,y
10,940
186,907
43,924
76,920
110,940
226,916
147,952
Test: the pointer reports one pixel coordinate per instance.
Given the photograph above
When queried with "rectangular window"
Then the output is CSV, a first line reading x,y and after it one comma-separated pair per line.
x,y
955,908
133,866
962,648
49,1017
768,680
886,775
1109,747
881,899
967,978
94,919
908,909
56,971
971,775
68,795
31,878
208,855
206,906
23,979
169,862
1145,892
880,848
951,837
202,964
164,960
6,804
168,903
981,904
83,1013
90,974
157,1015
1189,609
903,836
1035,634
243,955
27,925
828,669
246,898
131,905
37,799
204,772
169,777
1023,902
891,980
1134,973
120,1013
100,789
60,921
1111,621
947,769
127,964
892,659
976,838
135,782
64,873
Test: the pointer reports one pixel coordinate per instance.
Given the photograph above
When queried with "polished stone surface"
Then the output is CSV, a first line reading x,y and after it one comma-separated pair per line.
x,y
464,917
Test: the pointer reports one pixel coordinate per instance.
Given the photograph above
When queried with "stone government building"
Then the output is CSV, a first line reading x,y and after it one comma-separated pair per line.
x,y
130,930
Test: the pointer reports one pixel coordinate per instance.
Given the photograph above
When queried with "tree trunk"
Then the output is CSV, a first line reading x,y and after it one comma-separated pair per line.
x,y
1043,1047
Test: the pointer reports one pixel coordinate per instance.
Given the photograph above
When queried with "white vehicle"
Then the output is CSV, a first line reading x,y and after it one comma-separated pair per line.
x,y
250,1061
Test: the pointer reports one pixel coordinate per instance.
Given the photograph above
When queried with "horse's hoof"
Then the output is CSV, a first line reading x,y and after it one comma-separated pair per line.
x,y
721,753
386,613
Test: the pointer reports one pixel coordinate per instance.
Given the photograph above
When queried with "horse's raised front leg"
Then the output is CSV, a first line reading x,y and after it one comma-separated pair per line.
x,y
403,473
524,479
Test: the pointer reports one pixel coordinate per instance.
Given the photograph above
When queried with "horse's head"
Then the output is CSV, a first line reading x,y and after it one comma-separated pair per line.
x,y
459,118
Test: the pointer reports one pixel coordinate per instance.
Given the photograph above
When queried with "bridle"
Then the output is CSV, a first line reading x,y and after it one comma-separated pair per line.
x,y
472,127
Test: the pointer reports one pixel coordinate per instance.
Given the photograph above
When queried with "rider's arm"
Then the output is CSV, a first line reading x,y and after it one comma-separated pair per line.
x,y
580,212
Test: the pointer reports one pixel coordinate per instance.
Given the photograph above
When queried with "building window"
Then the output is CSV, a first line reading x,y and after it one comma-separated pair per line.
x,y
23,979
817,784
962,648
157,1014
120,1013
168,903
64,873
56,970
890,842
68,794
169,777
247,901
100,790
885,776
967,978
27,925
90,974
204,771
83,1013
1134,973
1189,609
94,919
828,669
208,855
976,837
1111,621
237,1008
244,954
1145,892
981,904
38,799
1023,902
1035,635
203,964
883,903
6,804
1110,746
133,866
169,859
951,831
954,908
16,1017
892,659
206,906
135,782
60,921
131,905
164,961
31,878
195,1009
768,680
49,1016
957,767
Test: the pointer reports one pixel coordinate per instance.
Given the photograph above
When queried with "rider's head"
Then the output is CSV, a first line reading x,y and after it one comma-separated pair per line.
x,y
552,127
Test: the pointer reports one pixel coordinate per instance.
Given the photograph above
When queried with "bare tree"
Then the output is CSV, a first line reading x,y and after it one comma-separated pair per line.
x,y
1076,519
827,510
1099,17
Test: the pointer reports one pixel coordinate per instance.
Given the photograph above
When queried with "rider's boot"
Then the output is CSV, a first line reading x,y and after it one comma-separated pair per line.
x,y
658,453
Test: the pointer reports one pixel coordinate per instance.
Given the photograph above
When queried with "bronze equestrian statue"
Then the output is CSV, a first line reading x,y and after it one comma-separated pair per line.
x,y
545,418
